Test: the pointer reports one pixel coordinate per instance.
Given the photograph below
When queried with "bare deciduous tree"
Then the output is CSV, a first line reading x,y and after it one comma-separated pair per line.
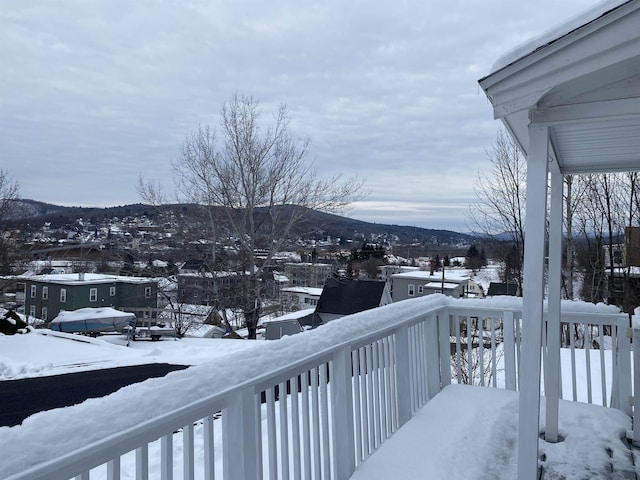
x,y
257,176
499,209
609,206
9,193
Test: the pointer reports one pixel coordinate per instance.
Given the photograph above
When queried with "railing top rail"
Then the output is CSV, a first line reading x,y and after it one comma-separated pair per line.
x,y
595,318
481,311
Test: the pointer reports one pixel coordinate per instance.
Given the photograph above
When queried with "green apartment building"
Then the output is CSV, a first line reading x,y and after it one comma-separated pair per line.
x,y
47,295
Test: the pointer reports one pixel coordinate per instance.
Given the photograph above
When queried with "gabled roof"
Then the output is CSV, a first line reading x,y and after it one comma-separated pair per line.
x,y
584,85
346,296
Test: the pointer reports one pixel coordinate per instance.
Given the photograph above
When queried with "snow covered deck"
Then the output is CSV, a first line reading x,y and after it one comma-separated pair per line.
x,y
469,433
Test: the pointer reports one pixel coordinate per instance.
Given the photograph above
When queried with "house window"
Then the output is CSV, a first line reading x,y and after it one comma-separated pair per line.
x,y
45,312
412,290
32,310
420,289
33,291
63,295
112,291
93,294
147,292
45,293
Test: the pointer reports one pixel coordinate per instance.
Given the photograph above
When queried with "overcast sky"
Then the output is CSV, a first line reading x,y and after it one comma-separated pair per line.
x,y
94,93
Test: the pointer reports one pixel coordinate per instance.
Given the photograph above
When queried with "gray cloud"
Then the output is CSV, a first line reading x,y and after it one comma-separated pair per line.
x,y
92,93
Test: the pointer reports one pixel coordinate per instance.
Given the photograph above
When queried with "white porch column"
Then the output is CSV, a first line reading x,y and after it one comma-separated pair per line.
x,y
552,365
534,253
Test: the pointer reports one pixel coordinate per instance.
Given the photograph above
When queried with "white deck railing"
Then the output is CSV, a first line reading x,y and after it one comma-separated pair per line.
x,y
327,410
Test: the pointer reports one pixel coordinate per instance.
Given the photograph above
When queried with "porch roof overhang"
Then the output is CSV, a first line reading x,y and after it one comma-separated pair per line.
x,y
585,86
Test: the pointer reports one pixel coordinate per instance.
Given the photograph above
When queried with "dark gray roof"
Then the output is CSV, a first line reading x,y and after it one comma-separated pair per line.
x,y
496,288
346,296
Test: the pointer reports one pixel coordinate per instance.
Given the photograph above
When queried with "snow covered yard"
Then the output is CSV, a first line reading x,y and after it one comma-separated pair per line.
x,y
44,352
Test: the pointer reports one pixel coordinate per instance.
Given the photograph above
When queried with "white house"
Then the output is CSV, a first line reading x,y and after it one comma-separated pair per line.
x,y
301,298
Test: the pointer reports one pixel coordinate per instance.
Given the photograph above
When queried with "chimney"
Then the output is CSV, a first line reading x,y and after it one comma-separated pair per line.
x,y
81,276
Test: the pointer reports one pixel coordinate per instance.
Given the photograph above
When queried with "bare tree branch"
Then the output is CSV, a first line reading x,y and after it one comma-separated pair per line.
x,y
256,174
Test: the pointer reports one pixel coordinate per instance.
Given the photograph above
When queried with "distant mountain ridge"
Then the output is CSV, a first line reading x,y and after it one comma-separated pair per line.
x,y
33,212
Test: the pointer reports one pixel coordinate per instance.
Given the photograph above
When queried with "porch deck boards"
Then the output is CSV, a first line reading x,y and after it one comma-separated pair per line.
x,y
471,433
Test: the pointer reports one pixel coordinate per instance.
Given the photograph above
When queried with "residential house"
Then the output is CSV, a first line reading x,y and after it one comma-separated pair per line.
x,y
47,295
625,271
308,274
385,271
420,283
632,245
300,298
474,289
206,288
289,324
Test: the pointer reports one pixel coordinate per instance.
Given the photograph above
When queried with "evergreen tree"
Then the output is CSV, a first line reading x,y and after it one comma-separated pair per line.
x,y
473,259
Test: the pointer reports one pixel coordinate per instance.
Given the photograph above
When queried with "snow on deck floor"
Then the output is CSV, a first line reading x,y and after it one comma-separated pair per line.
x,y
468,432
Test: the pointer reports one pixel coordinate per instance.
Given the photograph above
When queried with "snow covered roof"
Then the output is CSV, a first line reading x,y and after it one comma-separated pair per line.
x,y
304,290
216,274
582,81
551,35
436,277
447,286
289,316
83,278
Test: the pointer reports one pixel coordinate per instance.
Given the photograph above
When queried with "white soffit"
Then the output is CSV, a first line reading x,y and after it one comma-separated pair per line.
x,y
601,146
